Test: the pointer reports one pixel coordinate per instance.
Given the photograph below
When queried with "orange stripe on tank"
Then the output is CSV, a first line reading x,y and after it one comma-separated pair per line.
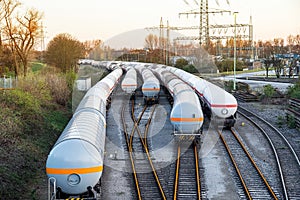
x,y
175,119
74,170
149,89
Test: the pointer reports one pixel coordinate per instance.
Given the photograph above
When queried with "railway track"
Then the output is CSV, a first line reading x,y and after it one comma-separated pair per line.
x,y
287,159
146,178
254,183
187,178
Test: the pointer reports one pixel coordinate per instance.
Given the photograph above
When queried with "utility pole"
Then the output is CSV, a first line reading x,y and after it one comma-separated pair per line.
x,y
204,12
234,56
161,38
209,32
164,43
168,44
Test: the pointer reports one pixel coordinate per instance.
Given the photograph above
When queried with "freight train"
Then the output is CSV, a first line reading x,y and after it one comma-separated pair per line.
x,y
75,163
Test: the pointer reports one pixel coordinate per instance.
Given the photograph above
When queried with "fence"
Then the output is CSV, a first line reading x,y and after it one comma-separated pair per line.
x,y
7,83
293,111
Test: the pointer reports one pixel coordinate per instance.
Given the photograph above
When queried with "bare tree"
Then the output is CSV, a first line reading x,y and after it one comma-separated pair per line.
x,y
22,30
151,42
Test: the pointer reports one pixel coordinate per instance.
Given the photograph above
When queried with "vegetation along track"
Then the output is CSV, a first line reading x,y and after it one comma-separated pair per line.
x,y
287,159
187,181
254,183
146,179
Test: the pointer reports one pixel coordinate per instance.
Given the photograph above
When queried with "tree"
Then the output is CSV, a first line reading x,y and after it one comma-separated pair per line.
x,y
63,52
151,42
181,62
22,30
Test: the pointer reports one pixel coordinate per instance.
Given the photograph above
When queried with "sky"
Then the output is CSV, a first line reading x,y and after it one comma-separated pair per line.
x,y
99,19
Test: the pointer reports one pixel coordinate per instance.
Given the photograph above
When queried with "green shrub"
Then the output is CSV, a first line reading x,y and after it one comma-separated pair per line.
x,y
10,123
181,62
291,121
190,69
268,91
37,86
35,67
29,126
280,121
22,101
229,85
294,91
228,65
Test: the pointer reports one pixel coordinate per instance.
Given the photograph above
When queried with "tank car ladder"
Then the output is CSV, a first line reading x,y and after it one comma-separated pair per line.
x,y
51,188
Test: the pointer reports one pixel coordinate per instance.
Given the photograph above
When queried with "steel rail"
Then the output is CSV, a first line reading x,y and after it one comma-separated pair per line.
x,y
274,151
146,148
177,174
130,154
277,131
235,166
254,164
197,172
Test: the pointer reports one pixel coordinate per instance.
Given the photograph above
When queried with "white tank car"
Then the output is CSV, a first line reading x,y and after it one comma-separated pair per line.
x,y
76,159
129,83
186,115
151,85
220,103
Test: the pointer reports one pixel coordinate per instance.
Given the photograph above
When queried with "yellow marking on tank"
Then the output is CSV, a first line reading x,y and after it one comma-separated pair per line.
x,y
179,119
74,170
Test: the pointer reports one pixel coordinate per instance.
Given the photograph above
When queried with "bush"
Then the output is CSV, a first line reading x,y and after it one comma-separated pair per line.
x,y
227,65
181,62
29,126
10,123
291,121
280,121
37,86
294,91
59,88
23,102
229,85
190,69
268,91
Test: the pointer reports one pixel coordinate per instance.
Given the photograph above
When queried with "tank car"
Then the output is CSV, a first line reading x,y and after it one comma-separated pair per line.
x,y
129,83
151,85
186,115
217,103
76,160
